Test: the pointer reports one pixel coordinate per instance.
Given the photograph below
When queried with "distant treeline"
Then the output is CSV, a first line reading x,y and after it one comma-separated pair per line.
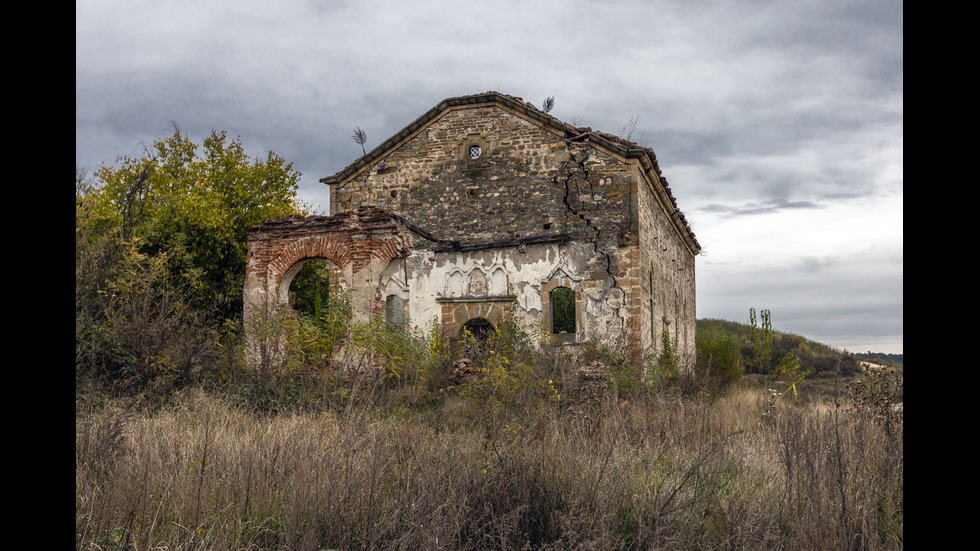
x,y
881,357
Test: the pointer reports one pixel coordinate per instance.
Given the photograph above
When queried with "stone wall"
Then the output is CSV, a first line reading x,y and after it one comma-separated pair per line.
x,y
483,206
527,183
530,185
667,281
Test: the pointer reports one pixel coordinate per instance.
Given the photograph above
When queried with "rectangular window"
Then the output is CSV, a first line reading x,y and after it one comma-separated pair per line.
x,y
395,311
562,310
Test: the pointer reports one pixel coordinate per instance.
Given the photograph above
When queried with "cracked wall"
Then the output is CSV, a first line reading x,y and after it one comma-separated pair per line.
x,y
487,187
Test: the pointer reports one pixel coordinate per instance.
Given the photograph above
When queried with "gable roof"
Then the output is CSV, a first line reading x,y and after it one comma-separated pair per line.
x,y
610,142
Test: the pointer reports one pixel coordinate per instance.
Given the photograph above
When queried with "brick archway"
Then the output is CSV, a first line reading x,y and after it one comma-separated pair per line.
x,y
360,244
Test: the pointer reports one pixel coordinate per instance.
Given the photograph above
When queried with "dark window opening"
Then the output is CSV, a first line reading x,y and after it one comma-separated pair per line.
x,y
547,226
562,310
309,292
480,328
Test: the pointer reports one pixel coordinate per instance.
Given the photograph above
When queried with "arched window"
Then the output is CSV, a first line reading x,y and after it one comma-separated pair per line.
x,y
562,310
456,286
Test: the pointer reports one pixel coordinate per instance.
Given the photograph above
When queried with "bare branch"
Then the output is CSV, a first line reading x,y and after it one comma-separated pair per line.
x,y
629,129
360,137
548,104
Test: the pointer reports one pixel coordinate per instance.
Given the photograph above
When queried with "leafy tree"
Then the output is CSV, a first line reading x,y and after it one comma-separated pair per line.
x,y
134,325
196,203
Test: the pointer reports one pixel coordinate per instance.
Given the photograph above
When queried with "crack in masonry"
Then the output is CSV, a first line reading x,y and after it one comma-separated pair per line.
x,y
588,223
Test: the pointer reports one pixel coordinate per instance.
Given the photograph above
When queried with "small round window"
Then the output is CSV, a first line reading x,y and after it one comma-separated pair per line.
x,y
475,151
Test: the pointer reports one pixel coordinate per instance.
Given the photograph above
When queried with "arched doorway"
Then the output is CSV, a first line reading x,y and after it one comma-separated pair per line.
x,y
310,289
479,328
476,340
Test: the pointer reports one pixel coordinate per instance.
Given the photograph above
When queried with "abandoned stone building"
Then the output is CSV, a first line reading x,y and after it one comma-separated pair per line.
x,y
487,209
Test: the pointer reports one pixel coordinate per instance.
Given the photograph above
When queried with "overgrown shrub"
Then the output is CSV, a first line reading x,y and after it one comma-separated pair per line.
x,y
666,472
880,394
134,325
719,361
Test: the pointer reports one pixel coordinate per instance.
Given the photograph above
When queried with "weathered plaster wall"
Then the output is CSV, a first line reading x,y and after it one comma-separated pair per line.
x,y
505,284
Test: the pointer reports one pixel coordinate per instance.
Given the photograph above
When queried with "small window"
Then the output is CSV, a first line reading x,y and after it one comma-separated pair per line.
x,y
395,311
562,310
473,152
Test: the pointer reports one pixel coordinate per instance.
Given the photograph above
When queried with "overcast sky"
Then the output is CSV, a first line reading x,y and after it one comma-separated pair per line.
x,y
778,124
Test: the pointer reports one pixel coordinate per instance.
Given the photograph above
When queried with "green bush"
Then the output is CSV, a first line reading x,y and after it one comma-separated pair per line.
x,y
195,203
135,328
719,360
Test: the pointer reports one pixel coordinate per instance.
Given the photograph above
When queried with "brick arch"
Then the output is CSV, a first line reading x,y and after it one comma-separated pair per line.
x,y
336,282
359,243
285,266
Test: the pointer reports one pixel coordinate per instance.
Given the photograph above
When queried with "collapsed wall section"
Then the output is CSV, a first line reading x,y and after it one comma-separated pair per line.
x,y
360,244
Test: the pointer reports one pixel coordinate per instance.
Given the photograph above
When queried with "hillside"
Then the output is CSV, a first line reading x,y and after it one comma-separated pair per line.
x,y
818,362
883,358
814,357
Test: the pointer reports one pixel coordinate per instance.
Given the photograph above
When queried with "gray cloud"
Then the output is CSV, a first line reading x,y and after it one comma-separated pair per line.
x,y
753,209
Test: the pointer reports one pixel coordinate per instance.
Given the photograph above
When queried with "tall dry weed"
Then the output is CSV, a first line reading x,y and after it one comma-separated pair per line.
x,y
637,471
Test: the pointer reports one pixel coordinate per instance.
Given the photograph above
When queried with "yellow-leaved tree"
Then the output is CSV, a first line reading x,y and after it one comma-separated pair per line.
x,y
160,249
195,203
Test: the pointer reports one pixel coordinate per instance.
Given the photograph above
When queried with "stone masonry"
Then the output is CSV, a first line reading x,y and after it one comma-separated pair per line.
x,y
485,205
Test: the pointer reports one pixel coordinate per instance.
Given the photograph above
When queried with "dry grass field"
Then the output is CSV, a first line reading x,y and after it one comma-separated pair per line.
x,y
545,466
